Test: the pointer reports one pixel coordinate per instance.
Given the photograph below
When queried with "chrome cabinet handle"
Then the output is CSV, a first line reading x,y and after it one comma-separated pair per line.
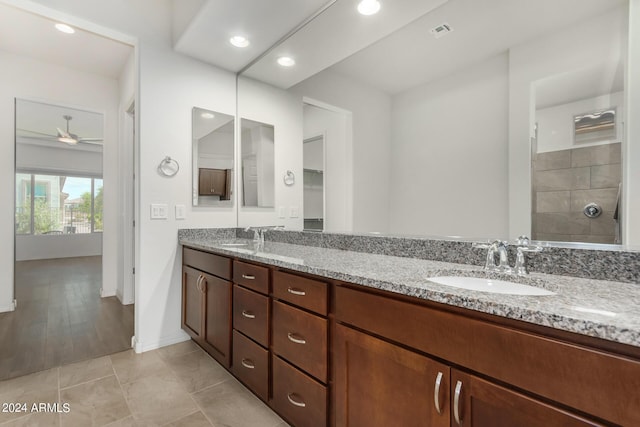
x,y
295,402
248,314
456,402
203,285
295,291
436,393
199,283
249,276
293,338
248,363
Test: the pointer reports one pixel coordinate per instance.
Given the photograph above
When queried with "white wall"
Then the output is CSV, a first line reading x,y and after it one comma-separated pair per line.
x,y
631,152
579,47
556,125
371,140
127,86
31,79
170,86
449,158
333,126
30,247
266,104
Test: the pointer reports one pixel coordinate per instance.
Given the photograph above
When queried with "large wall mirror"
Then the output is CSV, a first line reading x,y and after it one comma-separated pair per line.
x,y
507,121
212,157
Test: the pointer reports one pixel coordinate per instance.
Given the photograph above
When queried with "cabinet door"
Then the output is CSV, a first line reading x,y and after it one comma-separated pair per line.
x,y
212,182
217,324
192,302
479,403
378,384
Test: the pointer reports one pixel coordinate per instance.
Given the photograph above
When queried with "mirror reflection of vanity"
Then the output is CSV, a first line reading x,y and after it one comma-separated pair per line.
x,y
436,136
213,160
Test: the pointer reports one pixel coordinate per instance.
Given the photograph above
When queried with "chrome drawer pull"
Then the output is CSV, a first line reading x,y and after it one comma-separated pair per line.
x,y
295,291
456,402
296,340
295,402
248,363
248,314
436,393
249,276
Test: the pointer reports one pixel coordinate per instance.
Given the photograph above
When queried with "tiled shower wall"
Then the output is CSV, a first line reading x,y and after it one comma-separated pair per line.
x,y
564,182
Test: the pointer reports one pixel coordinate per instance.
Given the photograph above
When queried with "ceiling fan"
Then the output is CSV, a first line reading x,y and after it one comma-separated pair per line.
x,y
66,136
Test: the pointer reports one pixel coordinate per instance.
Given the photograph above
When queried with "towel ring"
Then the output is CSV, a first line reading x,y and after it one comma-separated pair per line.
x,y
289,178
168,167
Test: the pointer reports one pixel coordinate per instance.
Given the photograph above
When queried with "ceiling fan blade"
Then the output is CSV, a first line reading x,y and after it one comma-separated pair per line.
x,y
63,134
90,139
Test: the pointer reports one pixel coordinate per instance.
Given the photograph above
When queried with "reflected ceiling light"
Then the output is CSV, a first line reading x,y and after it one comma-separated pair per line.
x,y
286,61
65,28
369,7
239,41
207,115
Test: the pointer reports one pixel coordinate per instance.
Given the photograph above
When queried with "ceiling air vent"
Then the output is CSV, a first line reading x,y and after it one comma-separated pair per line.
x,y
441,30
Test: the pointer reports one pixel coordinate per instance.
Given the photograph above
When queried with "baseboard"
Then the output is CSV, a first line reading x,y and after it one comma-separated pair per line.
x,y
8,307
107,293
141,347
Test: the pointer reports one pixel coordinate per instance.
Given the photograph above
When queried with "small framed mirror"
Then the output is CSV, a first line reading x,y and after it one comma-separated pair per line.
x,y
258,164
213,159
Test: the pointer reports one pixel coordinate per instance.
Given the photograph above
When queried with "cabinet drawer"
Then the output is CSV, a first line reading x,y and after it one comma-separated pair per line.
x,y
251,276
251,314
209,263
251,364
300,338
303,292
298,398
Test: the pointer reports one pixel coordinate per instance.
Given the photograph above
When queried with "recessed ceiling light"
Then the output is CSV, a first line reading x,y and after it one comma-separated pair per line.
x,y
239,41
65,28
207,115
369,7
286,61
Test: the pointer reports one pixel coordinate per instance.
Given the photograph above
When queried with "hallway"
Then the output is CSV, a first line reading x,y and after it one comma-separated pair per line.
x,y
60,318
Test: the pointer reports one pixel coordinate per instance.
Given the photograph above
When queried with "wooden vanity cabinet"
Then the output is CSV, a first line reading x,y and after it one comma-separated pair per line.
x,y
479,403
251,323
299,347
378,384
206,302
214,182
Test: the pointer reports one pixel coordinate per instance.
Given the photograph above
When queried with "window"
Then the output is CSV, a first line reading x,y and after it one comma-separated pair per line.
x,y
52,204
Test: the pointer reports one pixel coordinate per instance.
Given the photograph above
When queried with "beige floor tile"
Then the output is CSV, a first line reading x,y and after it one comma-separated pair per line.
x,y
130,366
41,387
158,399
27,399
194,420
197,370
82,372
42,419
96,403
178,349
125,422
40,381
230,404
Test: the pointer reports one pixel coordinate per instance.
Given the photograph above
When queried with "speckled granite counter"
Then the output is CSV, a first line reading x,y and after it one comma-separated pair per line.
x,y
597,308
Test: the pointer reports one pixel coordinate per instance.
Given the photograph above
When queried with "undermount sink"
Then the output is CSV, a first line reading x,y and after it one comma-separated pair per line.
x,y
490,285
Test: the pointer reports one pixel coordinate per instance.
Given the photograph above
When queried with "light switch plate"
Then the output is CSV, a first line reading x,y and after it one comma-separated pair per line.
x,y
181,212
159,211
282,212
294,212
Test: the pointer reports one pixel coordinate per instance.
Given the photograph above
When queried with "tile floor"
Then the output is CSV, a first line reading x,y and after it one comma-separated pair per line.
x,y
178,385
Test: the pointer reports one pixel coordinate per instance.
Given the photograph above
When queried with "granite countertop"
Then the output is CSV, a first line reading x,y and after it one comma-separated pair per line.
x,y
597,308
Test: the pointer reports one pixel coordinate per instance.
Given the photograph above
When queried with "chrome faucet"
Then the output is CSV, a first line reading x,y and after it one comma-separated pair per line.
x,y
258,234
501,249
495,247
